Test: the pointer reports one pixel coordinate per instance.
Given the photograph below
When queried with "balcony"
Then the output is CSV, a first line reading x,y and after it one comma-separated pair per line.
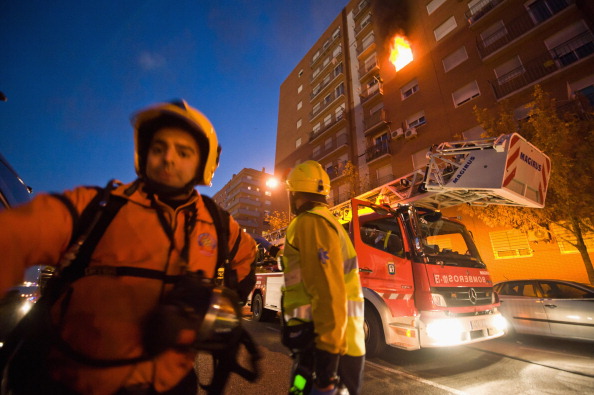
x,y
328,100
569,52
331,78
480,10
362,6
375,120
365,69
363,48
325,48
336,170
520,26
377,150
371,92
359,28
333,121
341,141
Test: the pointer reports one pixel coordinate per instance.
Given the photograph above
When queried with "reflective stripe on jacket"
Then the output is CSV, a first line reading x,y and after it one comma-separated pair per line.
x,y
322,281
104,316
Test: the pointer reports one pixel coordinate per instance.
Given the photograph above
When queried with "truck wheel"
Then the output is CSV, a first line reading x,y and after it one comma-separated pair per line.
x,y
374,334
259,313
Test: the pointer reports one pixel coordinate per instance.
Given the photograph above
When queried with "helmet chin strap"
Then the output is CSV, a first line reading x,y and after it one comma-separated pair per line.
x,y
166,191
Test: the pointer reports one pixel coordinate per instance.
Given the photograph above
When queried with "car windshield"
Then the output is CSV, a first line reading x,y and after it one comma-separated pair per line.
x,y
449,243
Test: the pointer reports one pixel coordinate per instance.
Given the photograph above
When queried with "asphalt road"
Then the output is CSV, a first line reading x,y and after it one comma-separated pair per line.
x,y
522,365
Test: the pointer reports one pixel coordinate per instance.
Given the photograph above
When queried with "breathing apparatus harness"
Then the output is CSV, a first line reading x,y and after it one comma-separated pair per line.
x,y
209,308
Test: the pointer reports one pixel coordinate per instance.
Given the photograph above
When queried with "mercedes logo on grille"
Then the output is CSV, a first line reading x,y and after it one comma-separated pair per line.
x,y
472,296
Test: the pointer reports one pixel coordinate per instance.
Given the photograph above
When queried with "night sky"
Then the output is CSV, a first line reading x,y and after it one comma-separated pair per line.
x,y
74,72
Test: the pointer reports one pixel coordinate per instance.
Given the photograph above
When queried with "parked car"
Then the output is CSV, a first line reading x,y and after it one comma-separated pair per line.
x,y
548,307
19,299
13,190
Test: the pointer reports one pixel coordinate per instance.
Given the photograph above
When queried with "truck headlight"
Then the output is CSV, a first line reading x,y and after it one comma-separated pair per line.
x,y
500,323
445,331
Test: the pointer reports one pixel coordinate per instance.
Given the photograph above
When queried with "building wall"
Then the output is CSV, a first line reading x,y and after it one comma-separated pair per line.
x,y
506,46
248,198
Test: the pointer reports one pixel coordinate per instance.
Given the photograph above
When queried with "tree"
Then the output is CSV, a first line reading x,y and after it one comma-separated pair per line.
x,y
351,175
277,220
568,140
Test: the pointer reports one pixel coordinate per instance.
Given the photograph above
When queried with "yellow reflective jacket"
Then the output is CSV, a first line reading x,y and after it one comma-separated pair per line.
x,y
322,281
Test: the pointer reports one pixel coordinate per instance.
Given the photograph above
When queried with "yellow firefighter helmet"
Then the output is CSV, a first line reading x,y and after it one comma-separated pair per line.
x,y
309,176
147,121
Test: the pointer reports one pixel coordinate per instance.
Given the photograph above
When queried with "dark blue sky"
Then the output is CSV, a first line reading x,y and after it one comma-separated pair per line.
x,y
75,71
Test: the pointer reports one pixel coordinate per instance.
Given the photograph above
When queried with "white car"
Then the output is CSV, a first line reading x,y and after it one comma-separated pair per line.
x,y
548,308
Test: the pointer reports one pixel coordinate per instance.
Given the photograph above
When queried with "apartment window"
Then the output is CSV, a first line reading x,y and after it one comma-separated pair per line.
x,y
571,44
316,72
565,239
328,99
585,87
337,51
381,139
299,105
326,61
509,70
339,111
300,72
338,70
316,108
339,90
326,80
466,93
316,151
416,120
316,89
327,119
268,193
317,127
409,89
366,20
541,10
370,63
316,56
368,40
326,44
454,59
433,5
510,244
376,108
336,33
419,159
446,27
493,33
328,144
300,89
384,174
298,143
298,123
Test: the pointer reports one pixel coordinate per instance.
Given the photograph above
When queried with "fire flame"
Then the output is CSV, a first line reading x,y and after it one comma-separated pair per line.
x,y
400,52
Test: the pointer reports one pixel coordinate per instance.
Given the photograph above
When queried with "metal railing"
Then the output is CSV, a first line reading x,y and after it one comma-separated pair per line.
x,y
516,28
377,150
557,58
481,9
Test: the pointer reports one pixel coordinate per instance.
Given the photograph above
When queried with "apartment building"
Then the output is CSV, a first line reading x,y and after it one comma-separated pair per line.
x,y
249,196
345,101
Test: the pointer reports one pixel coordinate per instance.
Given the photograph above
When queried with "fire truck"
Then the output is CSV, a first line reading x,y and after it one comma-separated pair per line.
x,y
424,282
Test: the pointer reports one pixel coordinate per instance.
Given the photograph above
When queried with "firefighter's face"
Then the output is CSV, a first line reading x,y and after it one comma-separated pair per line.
x,y
173,157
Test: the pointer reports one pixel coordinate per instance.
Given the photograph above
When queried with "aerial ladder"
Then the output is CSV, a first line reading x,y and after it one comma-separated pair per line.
x,y
505,170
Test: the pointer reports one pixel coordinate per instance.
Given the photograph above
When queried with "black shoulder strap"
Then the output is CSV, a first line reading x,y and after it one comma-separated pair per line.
x,y
221,219
88,229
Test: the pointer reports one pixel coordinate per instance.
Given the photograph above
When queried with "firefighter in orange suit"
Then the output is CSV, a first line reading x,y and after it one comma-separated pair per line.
x,y
162,231
322,284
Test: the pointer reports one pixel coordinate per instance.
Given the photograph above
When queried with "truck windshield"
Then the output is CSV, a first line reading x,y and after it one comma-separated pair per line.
x,y
447,242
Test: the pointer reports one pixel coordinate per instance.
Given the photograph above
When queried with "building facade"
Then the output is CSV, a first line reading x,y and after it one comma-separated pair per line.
x,y
250,196
345,102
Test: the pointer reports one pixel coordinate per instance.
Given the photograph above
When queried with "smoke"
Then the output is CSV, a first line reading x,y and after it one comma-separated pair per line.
x,y
391,17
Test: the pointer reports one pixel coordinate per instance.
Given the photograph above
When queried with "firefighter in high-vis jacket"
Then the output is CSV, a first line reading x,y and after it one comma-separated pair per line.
x,y
322,287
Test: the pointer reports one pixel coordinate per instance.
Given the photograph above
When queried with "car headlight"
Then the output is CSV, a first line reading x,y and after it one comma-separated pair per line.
x,y
438,300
